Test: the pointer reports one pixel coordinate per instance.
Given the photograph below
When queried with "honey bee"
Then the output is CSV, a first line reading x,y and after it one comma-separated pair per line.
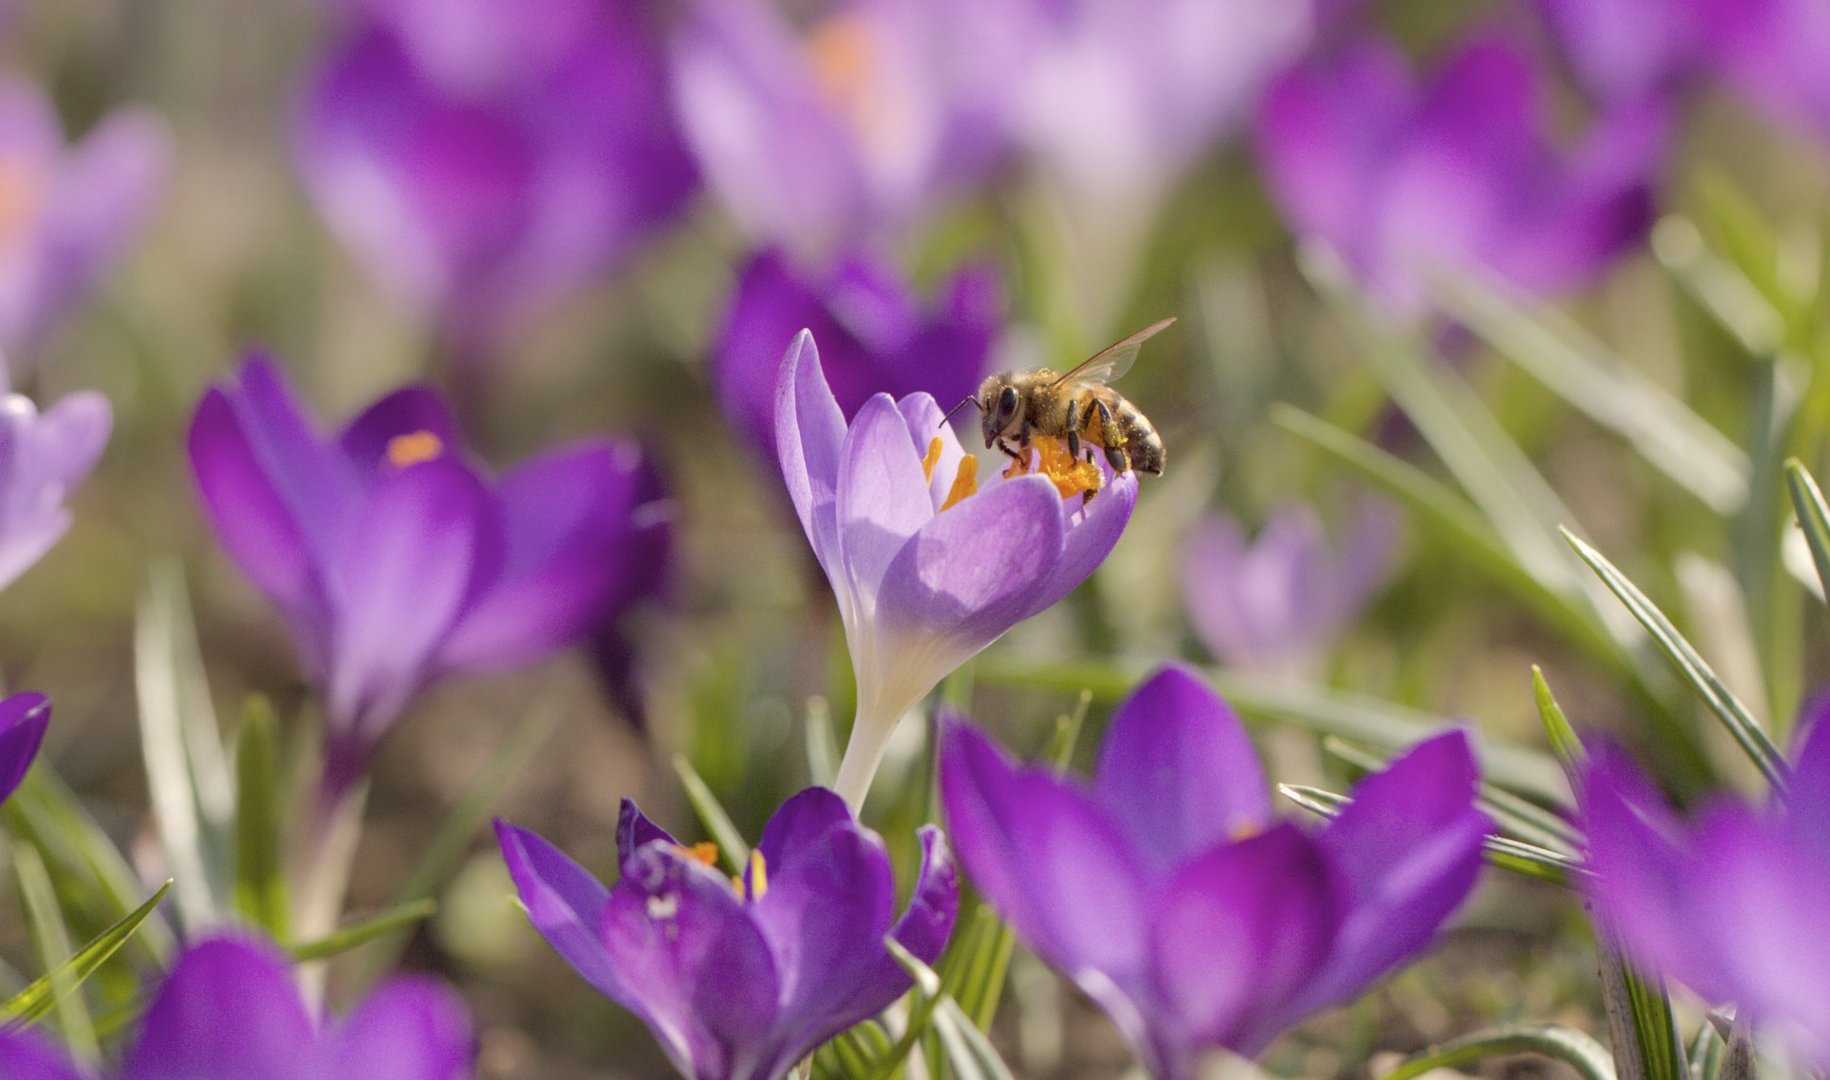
x,y
1015,406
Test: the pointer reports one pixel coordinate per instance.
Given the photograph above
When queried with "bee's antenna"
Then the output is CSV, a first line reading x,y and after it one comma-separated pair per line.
x,y
954,409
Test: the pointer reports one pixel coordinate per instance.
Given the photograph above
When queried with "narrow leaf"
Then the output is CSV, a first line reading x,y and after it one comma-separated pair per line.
x,y
1813,518
968,1052
52,939
260,880
32,1002
366,930
1574,1048
1563,740
731,846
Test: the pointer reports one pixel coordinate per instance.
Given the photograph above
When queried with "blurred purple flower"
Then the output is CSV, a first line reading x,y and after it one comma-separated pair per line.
x,y
42,458
396,561
1167,892
928,566
1627,50
823,139
68,213
23,719
741,978
485,159
1775,51
1281,601
230,1010
1730,904
877,336
1400,179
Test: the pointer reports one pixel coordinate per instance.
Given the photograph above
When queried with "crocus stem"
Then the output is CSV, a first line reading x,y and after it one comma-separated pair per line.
x,y
321,872
870,736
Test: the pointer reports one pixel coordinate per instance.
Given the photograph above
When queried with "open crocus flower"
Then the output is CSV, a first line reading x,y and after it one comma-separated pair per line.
x,y
230,1010
43,456
877,335
928,566
1279,602
67,213
1402,179
1731,903
1777,52
741,978
23,719
857,126
393,557
486,159
1168,894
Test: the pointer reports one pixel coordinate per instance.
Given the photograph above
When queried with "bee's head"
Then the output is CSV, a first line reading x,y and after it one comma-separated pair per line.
x,y
999,402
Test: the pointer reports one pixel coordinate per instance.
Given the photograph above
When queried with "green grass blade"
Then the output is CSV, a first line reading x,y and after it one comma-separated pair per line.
x,y
260,880
366,930
35,1000
1640,1021
1576,1049
967,1051
1690,666
731,847
1531,860
1564,742
822,744
52,939
1813,518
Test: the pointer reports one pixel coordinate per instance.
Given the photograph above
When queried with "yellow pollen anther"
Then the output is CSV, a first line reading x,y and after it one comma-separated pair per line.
x,y
965,482
21,196
932,459
703,852
1243,830
413,448
759,879
842,53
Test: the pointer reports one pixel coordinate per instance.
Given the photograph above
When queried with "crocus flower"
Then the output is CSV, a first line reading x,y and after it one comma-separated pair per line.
x,y
68,213
231,1010
486,162
928,566
396,560
1166,891
1625,50
741,978
1777,52
854,128
1729,903
1401,178
1280,602
878,337
42,458
23,719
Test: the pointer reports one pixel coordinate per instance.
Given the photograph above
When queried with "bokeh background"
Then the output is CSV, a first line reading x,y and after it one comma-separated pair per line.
x,y
608,216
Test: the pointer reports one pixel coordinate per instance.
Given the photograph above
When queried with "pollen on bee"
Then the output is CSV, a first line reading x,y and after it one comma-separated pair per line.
x,y
1071,475
413,448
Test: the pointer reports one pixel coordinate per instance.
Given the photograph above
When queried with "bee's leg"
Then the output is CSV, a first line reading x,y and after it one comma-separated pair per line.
x,y
1018,460
1112,437
1073,429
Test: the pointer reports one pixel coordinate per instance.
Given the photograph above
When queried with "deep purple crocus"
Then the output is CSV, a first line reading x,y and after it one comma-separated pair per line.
x,y
1279,602
929,565
396,560
1166,891
68,213
23,719
43,456
741,978
876,335
857,126
1402,178
1729,903
488,158
231,1010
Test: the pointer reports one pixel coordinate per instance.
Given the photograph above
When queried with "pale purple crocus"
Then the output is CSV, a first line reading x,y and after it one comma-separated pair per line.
x,y
1167,892
230,1010
1279,601
853,128
396,559
877,336
1730,902
929,565
23,719
1402,177
741,978
1777,52
488,161
69,211
1628,50
43,456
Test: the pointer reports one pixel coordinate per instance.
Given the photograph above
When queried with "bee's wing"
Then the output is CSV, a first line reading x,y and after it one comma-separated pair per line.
x,y
1114,360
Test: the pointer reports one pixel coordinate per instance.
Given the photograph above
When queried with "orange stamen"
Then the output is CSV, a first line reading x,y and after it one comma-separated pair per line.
x,y
413,448
932,459
965,482
758,882
703,852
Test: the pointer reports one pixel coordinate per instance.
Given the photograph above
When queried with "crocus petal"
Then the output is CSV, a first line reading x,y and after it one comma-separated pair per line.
x,y
1045,856
248,515
1177,771
883,498
927,924
25,1054
309,475
926,424
1409,849
184,1035
409,1029
564,902
1807,797
407,411
42,457
810,441
1240,930
634,830
799,824
23,719
1088,540
695,966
